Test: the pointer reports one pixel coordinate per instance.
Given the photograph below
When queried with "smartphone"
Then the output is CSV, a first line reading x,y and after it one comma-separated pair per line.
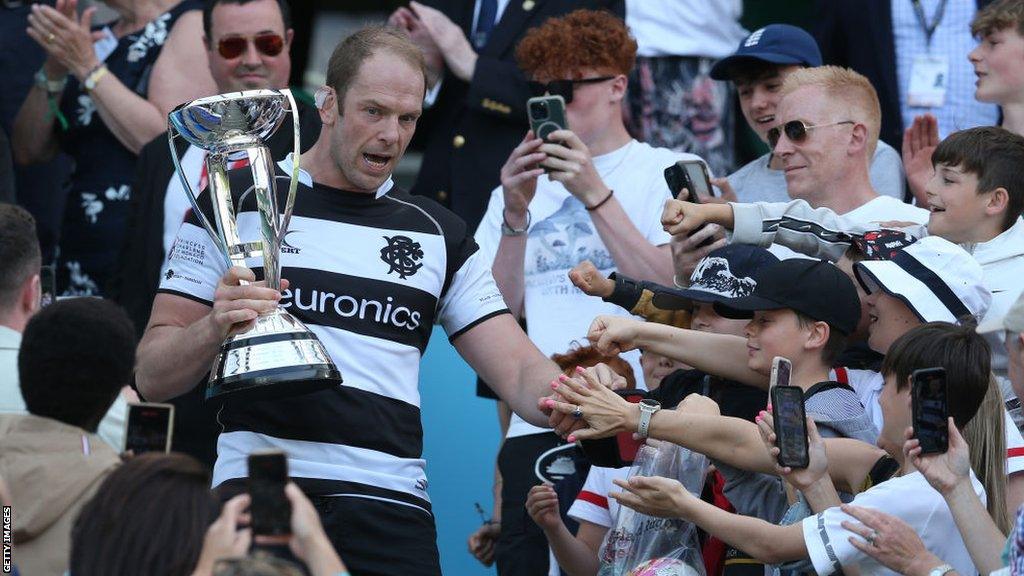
x,y
693,176
790,426
619,450
47,285
149,428
930,409
782,371
270,508
547,114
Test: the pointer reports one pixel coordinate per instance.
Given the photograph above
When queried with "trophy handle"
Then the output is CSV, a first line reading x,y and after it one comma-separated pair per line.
x,y
294,183
192,197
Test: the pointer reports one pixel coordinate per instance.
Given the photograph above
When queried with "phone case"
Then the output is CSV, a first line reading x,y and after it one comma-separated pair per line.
x,y
143,405
547,114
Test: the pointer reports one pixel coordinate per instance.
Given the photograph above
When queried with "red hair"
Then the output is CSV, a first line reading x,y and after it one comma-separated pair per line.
x,y
562,48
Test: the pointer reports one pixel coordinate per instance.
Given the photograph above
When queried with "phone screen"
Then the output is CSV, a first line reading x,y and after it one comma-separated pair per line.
x,y
149,428
48,285
931,410
790,426
699,179
271,510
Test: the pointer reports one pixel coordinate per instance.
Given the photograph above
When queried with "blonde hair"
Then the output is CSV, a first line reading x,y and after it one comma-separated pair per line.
x,y
848,89
986,436
997,16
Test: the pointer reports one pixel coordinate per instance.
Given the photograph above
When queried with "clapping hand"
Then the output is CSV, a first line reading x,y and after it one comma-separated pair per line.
x,y
67,38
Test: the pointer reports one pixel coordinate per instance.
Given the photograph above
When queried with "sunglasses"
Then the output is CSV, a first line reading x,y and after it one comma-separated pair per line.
x,y
268,44
563,88
796,131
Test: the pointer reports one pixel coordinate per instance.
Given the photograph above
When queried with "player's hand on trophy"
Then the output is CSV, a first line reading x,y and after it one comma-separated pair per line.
x,y
236,305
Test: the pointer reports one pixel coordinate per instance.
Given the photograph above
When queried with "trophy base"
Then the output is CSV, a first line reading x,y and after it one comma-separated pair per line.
x,y
277,357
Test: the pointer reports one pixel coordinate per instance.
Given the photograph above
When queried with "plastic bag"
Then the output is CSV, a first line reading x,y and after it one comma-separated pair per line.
x,y
642,545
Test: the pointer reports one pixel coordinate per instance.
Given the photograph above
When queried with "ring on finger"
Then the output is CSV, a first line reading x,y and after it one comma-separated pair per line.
x,y
872,537
578,412
50,37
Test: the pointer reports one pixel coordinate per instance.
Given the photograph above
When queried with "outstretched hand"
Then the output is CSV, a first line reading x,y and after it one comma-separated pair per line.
x,y
943,471
589,279
800,478
583,398
612,335
655,496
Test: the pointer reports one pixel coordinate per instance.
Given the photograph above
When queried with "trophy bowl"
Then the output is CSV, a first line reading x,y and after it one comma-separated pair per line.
x,y
277,356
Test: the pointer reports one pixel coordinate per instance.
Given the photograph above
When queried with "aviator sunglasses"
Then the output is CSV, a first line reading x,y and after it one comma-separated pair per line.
x,y
797,131
269,44
563,88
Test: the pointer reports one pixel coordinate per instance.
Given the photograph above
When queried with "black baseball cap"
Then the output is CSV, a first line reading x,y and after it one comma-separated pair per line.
x,y
775,44
724,274
814,288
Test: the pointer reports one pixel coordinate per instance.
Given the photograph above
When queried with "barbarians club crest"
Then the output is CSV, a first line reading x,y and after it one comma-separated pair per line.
x,y
402,255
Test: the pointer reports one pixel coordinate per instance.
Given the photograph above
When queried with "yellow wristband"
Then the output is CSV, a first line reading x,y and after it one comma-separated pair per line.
x,y
94,77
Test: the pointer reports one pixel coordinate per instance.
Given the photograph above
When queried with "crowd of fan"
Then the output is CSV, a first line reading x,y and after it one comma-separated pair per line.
x,y
858,263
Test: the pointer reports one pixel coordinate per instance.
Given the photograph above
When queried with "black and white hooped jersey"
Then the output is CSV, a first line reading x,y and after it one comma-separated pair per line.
x,y
370,275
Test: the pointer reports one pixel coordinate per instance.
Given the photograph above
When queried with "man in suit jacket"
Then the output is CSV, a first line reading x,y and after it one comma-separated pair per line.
x,y
479,113
860,34
159,203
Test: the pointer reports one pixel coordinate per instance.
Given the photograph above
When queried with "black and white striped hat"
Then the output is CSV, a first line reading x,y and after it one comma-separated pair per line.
x,y
936,279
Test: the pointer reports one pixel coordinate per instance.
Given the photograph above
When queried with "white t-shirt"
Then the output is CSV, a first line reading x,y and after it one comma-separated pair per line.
x,y
885,209
909,498
561,235
685,27
593,504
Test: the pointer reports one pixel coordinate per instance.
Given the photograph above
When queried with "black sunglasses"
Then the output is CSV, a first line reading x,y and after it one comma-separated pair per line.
x,y
797,131
563,88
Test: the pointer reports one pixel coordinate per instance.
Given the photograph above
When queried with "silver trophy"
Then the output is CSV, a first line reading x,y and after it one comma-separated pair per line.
x,y
278,356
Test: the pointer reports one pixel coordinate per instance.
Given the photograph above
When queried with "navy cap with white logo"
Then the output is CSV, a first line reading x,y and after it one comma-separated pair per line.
x,y
723,274
775,44
814,288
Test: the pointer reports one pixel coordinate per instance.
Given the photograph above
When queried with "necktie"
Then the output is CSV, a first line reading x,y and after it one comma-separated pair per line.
x,y
485,22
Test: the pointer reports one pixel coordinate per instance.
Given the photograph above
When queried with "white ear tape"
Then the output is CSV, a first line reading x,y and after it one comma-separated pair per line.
x,y
320,97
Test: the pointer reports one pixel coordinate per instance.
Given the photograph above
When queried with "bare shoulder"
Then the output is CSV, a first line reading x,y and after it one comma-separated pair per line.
x,y
182,71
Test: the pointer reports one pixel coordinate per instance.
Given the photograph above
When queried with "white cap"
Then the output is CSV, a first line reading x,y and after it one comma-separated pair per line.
x,y
1012,321
938,280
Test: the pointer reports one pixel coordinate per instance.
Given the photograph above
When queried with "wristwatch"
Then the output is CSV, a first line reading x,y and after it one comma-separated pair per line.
x,y
647,409
940,570
51,86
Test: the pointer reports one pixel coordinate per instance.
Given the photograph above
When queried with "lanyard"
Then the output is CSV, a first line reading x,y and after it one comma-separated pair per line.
x,y
929,29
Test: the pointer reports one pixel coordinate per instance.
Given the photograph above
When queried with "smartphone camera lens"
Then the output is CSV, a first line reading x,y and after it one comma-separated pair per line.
x,y
539,110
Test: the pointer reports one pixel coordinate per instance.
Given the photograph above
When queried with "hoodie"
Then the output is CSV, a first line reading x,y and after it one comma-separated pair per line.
x,y
51,469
